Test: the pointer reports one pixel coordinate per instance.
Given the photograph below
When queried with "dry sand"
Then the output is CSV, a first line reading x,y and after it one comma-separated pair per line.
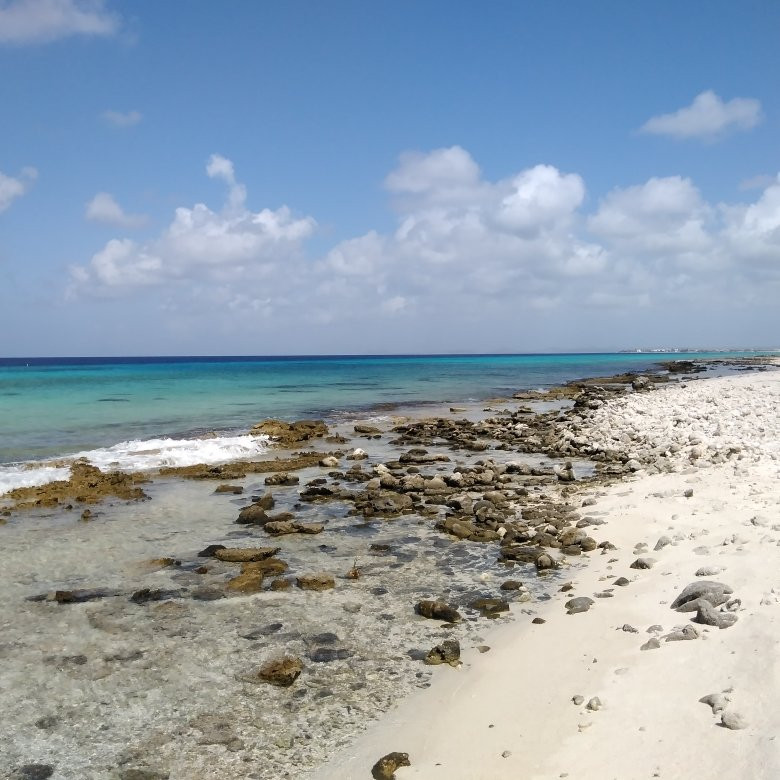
x,y
508,713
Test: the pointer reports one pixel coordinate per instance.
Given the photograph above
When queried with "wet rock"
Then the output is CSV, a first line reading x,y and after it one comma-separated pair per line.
x,y
244,555
716,593
78,596
437,610
538,621
282,478
247,582
490,607
386,502
211,550
318,582
270,567
329,462
323,655
385,768
281,583
282,672
206,594
357,454
145,595
286,433
708,571
545,562
282,528
511,585
369,430
235,490
579,604
32,772
141,774
448,652
254,514
707,615
47,722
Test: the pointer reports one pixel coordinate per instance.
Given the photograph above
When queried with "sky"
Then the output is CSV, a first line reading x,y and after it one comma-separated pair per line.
x,y
406,176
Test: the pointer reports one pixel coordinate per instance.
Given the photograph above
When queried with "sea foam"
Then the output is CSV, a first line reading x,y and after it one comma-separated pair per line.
x,y
137,455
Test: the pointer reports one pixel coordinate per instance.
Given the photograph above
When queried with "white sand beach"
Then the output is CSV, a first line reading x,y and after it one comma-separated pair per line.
x,y
509,712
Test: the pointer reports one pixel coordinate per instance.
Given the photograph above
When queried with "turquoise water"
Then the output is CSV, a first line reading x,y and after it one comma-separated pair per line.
x,y
56,407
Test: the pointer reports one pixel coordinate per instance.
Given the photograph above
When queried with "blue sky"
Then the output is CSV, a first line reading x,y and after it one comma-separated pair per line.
x,y
263,178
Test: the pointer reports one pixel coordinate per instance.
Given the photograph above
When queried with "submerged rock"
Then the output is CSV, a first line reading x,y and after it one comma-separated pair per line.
x,y
282,672
244,555
437,610
321,581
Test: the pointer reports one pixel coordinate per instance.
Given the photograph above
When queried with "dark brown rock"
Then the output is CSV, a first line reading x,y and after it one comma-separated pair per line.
x,y
236,490
385,768
282,672
437,610
448,652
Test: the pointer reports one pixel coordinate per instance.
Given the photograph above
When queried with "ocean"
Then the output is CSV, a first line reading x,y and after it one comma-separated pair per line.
x,y
143,412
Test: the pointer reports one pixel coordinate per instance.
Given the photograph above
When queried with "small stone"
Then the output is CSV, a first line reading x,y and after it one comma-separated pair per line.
x,y
577,699
238,555
506,754
538,621
651,644
733,720
329,462
662,542
235,490
511,585
629,629
622,582
688,493
643,563
384,769
594,705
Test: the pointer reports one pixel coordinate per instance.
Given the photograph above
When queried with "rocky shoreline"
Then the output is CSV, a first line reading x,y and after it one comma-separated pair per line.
x,y
477,502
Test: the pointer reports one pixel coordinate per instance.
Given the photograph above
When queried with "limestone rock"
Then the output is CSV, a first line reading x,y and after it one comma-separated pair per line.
x,y
385,768
437,610
448,652
282,672
319,582
243,555
716,593
579,604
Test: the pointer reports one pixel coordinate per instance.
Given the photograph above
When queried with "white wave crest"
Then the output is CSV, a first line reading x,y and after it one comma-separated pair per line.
x,y
138,455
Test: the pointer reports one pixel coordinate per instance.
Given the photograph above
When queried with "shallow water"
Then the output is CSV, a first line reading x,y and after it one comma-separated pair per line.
x,y
162,685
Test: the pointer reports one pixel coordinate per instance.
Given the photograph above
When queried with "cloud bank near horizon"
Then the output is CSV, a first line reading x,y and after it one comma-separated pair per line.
x,y
462,243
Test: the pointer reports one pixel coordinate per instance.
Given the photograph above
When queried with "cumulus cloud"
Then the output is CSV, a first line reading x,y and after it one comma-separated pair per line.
x,y
12,188
122,118
200,245
709,116
464,249
43,21
104,208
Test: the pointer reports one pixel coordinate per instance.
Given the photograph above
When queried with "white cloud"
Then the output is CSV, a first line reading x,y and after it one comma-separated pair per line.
x,y
104,208
42,21
707,117
12,188
122,118
467,254
200,245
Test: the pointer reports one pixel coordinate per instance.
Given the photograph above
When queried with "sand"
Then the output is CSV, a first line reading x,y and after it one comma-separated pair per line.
x,y
508,712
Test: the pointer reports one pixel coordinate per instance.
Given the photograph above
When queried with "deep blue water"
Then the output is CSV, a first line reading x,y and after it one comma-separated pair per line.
x,y
56,406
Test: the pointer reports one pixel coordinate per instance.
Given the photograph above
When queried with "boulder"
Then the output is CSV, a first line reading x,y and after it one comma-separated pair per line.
x,y
716,593
286,433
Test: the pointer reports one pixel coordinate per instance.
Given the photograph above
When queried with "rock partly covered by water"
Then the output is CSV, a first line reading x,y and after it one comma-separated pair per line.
x,y
288,433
